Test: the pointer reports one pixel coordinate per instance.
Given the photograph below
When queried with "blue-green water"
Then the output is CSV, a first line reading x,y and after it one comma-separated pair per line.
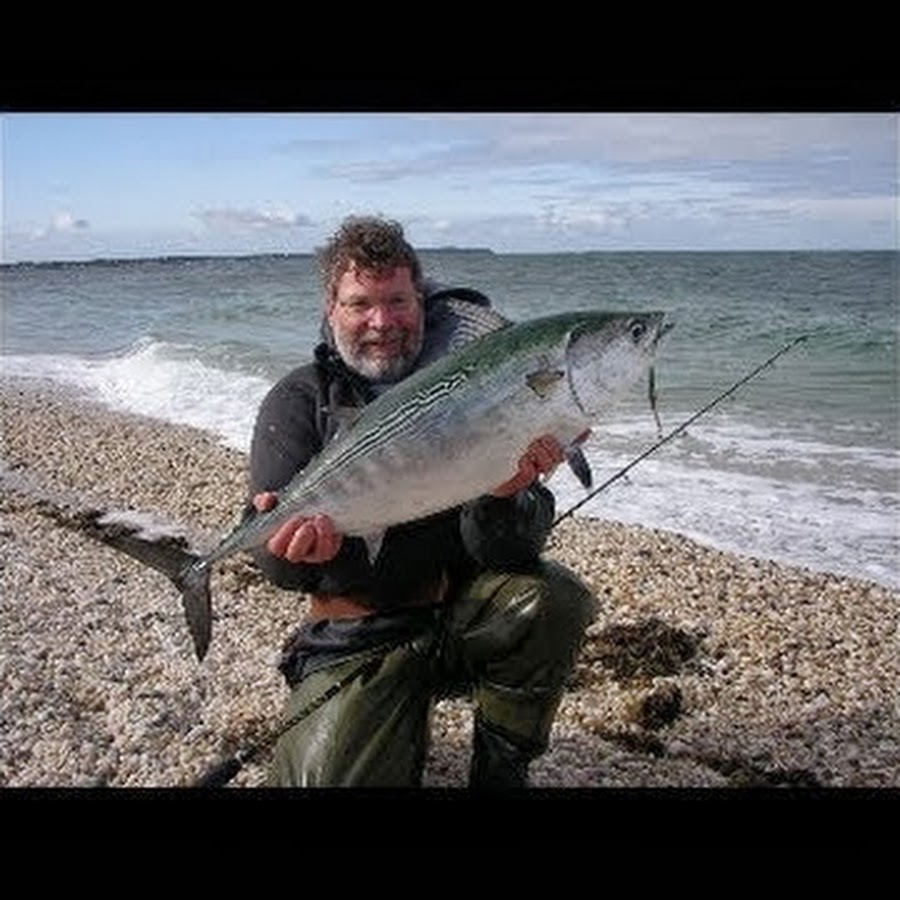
x,y
801,464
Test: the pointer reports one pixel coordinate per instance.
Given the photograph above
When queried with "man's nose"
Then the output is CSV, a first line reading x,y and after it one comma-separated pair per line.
x,y
381,316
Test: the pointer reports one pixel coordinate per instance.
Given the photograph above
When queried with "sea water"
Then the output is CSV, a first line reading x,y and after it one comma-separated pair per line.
x,y
799,465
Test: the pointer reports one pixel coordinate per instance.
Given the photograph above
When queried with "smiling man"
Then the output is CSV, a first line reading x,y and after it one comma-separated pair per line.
x,y
377,321
455,603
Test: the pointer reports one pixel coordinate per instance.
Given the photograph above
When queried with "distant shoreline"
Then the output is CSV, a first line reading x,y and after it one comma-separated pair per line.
x,y
218,257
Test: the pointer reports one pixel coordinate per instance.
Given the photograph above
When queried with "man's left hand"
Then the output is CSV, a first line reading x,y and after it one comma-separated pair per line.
x,y
541,458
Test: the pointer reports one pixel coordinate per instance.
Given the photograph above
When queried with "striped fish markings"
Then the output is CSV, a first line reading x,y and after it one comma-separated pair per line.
x,y
448,433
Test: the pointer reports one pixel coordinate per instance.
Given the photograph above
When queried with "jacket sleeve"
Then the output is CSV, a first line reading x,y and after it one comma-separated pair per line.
x,y
508,532
285,439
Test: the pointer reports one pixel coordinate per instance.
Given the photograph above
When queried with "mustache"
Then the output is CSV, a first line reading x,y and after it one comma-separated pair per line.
x,y
383,334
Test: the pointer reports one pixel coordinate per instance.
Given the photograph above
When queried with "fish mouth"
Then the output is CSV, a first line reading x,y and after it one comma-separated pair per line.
x,y
663,329
648,330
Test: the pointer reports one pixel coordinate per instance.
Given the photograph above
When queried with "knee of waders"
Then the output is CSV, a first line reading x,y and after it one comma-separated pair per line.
x,y
527,650
540,615
554,604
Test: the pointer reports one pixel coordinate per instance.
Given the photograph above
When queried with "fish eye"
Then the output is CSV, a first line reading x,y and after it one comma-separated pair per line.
x,y
637,329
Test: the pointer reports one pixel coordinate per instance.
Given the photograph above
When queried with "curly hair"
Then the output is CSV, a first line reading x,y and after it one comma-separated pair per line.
x,y
367,242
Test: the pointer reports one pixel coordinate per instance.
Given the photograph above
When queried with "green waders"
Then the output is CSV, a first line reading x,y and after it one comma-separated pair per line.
x,y
508,640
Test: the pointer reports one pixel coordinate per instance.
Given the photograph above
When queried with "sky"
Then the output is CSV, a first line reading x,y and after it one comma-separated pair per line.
x,y
89,185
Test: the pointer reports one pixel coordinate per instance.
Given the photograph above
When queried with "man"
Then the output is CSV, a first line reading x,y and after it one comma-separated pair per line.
x,y
457,602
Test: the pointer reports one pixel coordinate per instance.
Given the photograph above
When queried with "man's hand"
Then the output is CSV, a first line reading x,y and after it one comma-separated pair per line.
x,y
541,458
311,539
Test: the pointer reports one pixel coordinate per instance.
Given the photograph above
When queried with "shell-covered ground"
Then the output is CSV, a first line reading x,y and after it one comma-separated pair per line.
x,y
703,669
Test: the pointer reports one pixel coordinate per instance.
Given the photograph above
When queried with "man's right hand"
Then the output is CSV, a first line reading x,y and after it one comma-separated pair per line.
x,y
311,539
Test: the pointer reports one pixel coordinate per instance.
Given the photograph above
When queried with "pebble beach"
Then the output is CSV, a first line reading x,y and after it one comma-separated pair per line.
x,y
704,669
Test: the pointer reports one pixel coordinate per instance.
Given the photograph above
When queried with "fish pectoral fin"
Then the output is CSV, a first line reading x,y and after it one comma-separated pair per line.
x,y
580,466
545,381
373,543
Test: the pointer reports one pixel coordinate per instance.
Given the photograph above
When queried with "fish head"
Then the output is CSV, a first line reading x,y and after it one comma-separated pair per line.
x,y
608,352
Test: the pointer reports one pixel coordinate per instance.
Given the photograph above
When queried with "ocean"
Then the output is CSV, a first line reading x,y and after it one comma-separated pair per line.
x,y
799,465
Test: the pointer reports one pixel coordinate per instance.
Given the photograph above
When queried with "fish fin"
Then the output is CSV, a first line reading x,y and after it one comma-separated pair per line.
x,y
473,321
373,544
193,582
168,555
651,396
544,381
451,324
579,465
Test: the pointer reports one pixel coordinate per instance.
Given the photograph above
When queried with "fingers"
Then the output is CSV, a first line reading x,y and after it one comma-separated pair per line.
x,y
324,545
302,539
265,501
306,540
292,540
541,458
545,454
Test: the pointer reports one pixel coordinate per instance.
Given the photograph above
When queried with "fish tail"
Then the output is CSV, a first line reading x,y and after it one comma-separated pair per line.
x,y
193,582
169,555
190,573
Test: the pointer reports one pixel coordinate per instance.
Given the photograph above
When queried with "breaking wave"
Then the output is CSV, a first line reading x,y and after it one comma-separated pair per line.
x,y
157,379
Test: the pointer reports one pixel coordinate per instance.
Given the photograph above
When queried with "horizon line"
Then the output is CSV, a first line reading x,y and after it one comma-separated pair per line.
x,y
299,254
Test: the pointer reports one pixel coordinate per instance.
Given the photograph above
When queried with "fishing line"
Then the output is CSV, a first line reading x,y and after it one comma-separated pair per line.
x,y
676,431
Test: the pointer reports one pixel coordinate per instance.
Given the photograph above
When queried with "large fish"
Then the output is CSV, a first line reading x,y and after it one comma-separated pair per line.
x,y
446,434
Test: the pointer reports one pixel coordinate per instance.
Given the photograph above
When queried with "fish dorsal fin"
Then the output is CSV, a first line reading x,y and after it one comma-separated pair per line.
x,y
472,321
545,381
451,324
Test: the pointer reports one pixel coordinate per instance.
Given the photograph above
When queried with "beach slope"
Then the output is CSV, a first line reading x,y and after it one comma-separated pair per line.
x,y
704,669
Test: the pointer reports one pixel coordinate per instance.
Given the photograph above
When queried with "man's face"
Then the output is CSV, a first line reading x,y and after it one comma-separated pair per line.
x,y
377,319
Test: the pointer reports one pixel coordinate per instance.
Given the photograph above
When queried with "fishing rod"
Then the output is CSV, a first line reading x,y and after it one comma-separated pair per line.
x,y
680,428
221,773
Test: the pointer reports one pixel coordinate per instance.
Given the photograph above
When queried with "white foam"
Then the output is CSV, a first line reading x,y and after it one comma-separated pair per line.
x,y
149,380
819,524
723,436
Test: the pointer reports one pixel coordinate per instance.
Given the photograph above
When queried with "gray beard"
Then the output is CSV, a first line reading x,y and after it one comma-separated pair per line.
x,y
379,371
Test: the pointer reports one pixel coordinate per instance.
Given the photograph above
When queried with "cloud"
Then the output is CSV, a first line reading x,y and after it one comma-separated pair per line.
x,y
836,152
62,222
231,219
